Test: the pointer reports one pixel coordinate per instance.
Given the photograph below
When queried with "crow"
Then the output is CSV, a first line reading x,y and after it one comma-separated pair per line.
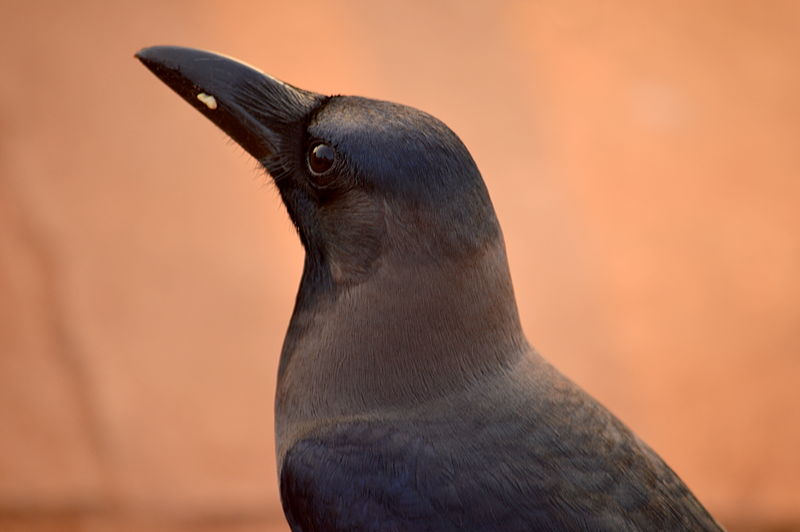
x,y
408,398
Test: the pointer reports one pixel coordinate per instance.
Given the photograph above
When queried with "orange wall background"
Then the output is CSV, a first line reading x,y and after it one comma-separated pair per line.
x,y
643,158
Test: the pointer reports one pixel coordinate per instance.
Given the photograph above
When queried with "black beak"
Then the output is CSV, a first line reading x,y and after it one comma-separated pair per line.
x,y
254,109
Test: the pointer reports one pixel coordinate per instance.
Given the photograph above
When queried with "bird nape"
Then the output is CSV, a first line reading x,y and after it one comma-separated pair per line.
x,y
408,397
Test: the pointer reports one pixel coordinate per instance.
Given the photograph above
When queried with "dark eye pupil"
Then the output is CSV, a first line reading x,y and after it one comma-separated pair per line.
x,y
320,158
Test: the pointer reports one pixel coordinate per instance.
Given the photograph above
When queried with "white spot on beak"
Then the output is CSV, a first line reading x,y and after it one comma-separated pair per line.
x,y
207,99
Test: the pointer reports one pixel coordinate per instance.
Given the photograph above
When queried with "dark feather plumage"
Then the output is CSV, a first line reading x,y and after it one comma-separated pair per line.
x,y
408,397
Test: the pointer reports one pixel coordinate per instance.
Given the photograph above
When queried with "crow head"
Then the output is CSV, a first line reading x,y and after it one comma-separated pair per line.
x,y
367,183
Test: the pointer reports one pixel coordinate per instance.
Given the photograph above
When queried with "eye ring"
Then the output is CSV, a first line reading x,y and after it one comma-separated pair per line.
x,y
321,158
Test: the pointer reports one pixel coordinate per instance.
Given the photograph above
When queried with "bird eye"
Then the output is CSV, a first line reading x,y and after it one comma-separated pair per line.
x,y
321,157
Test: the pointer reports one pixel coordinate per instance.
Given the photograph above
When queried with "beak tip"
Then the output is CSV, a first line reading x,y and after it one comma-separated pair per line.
x,y
166,55
149,56
145,53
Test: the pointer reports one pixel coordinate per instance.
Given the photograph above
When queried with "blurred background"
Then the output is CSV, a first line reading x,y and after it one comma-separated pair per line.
x,y
643,159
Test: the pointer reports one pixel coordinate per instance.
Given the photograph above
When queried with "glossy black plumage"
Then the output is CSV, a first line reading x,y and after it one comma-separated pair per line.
x,y
408,397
